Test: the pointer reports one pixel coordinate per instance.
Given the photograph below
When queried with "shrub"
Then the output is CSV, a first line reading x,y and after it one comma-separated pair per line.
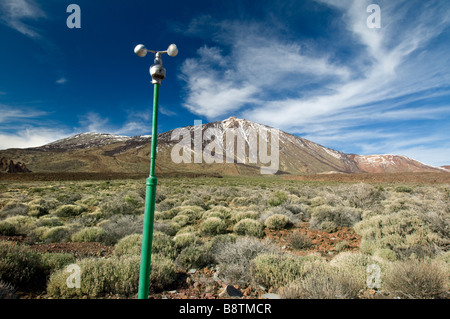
x,y
403,189
163,245
181,220
7,229
240,215
299,240
249,227
278,199
22,224
217,211
386,254
57,234
48,222
184,240
417,279
70,210
13,209
355,264
37,210
113,276
120,226
21,267
89,234
278,270
322,282
298,209
402,232
196,256
234,256
129,245
213,226
193,213
56,261
118,205
277,222
168,228
341,216
132,245
167,204
363,195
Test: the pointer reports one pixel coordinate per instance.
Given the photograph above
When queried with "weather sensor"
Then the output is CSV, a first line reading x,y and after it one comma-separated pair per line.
x,y
157,70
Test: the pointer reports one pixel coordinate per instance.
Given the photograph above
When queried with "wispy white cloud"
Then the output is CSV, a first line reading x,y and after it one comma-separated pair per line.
x,y
396,74
30,137
133,125
17,13
61,80
10,114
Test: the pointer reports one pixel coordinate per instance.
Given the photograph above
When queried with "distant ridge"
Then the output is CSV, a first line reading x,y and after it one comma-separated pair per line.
x,y
102,152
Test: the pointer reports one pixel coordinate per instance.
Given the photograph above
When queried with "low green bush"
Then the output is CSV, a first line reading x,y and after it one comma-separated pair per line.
x,y
355,264
196,256
56,261
13,208
70,210
22,224
213,226
57,234
7,229
48,221
181,220
21,267
276,221
119,226
37,210
403,189
89,234
184,240
240,215
340,216
118,276
163,245
131,245
120,205
418,279
322,282
249,227
193,213
233,255
278,198
403,232
278,270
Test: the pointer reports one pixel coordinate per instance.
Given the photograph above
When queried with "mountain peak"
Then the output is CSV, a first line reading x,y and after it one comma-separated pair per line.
x,y
86,140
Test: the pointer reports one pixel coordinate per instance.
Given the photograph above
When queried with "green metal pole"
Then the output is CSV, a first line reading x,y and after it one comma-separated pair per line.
x,y
149,213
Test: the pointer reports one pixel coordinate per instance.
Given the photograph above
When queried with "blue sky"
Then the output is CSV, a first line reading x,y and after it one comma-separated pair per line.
x,y
312,68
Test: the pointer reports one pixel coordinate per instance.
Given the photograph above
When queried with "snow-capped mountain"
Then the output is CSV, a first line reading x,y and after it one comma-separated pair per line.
x,y
85,140
96,152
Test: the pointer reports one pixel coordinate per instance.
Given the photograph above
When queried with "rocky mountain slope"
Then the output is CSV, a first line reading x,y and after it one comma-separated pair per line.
x,y
193,148
388,163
